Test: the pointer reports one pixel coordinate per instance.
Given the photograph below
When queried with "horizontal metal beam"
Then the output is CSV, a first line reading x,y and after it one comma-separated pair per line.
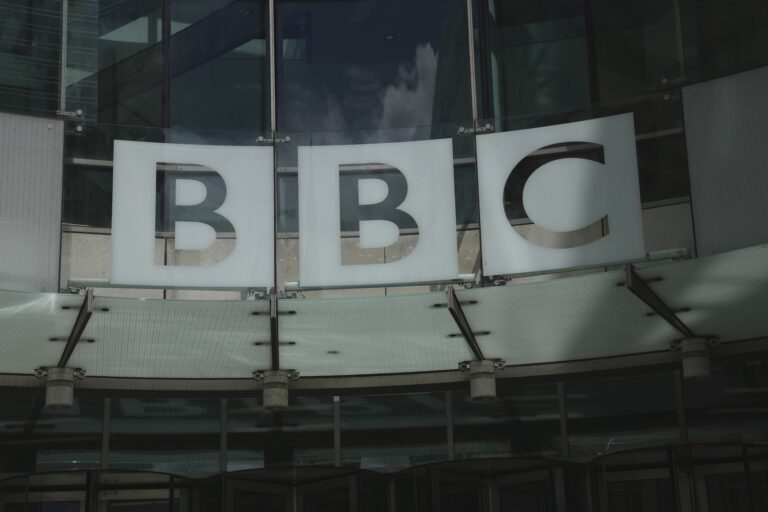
x,y
640,288
86,310
454,306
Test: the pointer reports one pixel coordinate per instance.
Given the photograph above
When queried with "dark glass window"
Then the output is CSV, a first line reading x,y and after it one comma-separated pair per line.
x,y
393,430
524,420
730,405
368,65
116,72
174,435
723,37
301,435
535,57
610,415
219,70
30,42
38,439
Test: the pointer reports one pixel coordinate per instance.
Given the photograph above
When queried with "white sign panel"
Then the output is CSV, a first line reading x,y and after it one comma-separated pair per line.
x,y
585,205
231,185
398,186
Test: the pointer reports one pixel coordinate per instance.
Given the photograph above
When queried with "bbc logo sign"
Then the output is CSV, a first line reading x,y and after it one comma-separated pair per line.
x,y
587,202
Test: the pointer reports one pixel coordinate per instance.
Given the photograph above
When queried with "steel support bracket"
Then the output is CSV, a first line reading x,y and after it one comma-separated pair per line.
x,y
642,291
83,316
454,307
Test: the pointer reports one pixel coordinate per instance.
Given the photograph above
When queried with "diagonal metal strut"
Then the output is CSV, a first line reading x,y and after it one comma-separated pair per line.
x,y
640,288
454,306
86,310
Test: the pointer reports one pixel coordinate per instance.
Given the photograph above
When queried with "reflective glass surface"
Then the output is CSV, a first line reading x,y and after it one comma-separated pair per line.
x,y
730,405
166,435
371,64
30,48
524,420
38,439
301,435
115,73
219,69
393,430
619,414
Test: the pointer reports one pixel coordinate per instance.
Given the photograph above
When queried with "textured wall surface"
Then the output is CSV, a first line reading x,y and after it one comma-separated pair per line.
x,y
31,160
726,124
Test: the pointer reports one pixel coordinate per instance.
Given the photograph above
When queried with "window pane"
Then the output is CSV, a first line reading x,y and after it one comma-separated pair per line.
x,y
37,439
115,73
172,435
371,64
393,430
219,67
524,420
730,405
618,414
301,435
30,41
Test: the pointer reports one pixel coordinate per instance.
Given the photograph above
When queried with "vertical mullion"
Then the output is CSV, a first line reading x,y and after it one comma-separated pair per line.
x,y
275,344
680,406
589,38
63,57
471,50
166,45
223,430
105,421
272,86
449,424
337,431
565,446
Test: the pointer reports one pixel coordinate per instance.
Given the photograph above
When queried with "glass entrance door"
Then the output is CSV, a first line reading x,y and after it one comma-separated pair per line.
x,y
337,494
259,497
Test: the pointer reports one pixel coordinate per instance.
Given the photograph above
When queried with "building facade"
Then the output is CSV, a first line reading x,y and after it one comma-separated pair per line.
x,y
629,373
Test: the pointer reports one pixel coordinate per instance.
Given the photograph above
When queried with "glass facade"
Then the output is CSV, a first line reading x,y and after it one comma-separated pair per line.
x,y
369,72
296,78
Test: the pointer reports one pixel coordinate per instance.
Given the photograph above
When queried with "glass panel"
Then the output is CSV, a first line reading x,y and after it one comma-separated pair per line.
x,y
370,65
724,37
218,55
636,48
375,335
390,431
178,339
730,405
45,492
652,493
536,55
115,69
30,42
301,435
724,293
622,413
633,481
758,475
164,434
327,496
524,420
457,494
141,492
563,319
38,439
556,61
